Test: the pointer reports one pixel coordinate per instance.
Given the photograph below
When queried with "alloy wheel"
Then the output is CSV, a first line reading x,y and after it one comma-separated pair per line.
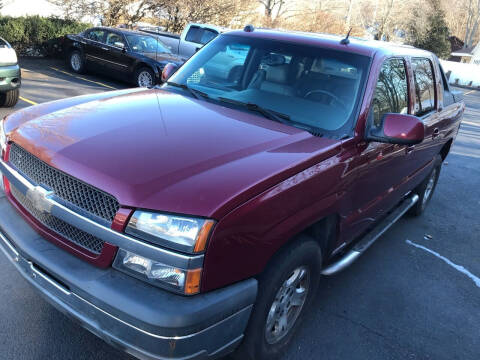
x,y
287,305
145,79
429,188
76,61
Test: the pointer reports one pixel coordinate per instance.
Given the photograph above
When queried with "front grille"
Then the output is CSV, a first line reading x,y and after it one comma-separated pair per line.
x,y
66,187
69,232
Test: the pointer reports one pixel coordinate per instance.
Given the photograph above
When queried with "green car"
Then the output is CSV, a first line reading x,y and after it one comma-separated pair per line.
x,y
10,76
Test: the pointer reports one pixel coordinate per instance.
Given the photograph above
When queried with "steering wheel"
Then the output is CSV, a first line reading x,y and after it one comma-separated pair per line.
x,y
328,93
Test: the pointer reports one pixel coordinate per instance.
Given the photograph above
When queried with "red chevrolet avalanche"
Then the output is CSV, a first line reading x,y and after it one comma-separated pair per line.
x,y
194,219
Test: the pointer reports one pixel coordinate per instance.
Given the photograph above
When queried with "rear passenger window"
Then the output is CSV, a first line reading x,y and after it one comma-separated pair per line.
x,y
424,86
207,36
95,35
194,34
391,93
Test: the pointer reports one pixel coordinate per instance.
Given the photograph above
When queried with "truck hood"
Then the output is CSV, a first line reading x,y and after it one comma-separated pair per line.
x,y
158,150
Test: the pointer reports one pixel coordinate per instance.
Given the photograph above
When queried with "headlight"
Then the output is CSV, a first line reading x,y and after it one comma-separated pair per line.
x,y
180,233
165,276
8,56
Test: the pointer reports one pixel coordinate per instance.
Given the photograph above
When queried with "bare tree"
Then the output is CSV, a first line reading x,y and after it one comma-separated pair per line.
x,y
110,12
273,10
473,21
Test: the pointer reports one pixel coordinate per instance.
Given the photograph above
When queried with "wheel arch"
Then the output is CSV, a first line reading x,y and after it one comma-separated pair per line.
x,y
323,231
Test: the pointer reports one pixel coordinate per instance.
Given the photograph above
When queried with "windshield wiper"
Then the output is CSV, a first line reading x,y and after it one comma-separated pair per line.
x,y
274,115
269,114
196,93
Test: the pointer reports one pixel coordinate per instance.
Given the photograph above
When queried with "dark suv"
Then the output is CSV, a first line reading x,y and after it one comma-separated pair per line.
x,y
195,219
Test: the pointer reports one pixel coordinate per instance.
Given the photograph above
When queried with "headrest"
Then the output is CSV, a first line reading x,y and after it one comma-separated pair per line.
x,y
277,74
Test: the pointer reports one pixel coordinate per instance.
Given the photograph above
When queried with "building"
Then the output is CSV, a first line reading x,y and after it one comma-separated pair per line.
x,y
465,55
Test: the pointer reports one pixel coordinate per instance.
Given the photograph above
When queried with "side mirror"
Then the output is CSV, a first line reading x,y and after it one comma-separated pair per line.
x,y
168,71
397,129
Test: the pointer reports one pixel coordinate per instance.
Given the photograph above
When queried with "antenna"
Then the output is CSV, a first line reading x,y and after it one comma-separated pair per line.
x,y
346,41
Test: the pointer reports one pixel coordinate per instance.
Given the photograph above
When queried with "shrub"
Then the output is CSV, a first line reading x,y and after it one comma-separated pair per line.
x,y
30,35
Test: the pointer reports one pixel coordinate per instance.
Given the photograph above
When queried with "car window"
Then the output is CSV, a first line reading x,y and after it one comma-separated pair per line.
x,y
424,86
146,44
95,35
313,86
391,92
207,36
194,34
113,38
225,66
444,79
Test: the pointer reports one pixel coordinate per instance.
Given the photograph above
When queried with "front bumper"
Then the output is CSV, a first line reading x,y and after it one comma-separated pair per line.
x,y
145,321
10,77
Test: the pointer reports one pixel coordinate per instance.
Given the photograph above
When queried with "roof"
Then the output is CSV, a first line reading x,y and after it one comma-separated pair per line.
x,y
356,45
122,30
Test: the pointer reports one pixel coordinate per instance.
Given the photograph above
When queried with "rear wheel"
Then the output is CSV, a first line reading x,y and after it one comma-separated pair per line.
x,y
426,188
76,62
9,98
286,289
144,77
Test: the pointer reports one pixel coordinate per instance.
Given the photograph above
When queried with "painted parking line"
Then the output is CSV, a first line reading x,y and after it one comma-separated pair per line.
x,y
27,100
84,79
469,92
460,268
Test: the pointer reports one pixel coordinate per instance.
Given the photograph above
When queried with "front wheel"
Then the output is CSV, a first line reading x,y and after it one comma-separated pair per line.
x,y
9,98
286,289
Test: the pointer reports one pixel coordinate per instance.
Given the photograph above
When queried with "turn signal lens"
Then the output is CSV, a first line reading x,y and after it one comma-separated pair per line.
x,y
203,235
192,285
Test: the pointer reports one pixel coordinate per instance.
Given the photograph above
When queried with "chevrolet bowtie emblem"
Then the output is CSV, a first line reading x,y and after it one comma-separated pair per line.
x,y
38,196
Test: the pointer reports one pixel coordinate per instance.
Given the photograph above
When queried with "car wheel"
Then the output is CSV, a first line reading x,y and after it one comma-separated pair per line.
x,y
144,77
286,289
76,62
9,98
426,188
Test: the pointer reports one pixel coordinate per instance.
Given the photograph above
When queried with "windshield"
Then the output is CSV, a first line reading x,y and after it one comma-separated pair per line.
x,y
311,86
146,44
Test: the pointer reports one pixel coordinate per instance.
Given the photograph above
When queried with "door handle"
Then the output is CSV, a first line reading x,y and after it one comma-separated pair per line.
x,y
436,133
409,149
105,48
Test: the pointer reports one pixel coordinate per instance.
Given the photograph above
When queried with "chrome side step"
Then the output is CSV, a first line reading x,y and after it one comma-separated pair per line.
x,y
371,237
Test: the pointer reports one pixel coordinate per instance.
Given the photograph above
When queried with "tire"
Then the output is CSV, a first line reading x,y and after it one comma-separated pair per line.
x,y
426,189
76,62
144,77
9,98
265,338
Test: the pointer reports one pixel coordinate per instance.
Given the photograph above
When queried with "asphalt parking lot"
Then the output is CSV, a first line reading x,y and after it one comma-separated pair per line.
x,y
414,295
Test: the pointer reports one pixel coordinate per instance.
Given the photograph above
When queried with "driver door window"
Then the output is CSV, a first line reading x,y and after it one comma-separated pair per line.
x,y
114,39
391,93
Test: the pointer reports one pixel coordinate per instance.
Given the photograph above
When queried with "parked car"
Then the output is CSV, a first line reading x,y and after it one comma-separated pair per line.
x,y
195,219
10,75
192,38
127,55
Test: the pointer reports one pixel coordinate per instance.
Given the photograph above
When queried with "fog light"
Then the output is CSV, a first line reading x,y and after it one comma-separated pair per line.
x,y
156,273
